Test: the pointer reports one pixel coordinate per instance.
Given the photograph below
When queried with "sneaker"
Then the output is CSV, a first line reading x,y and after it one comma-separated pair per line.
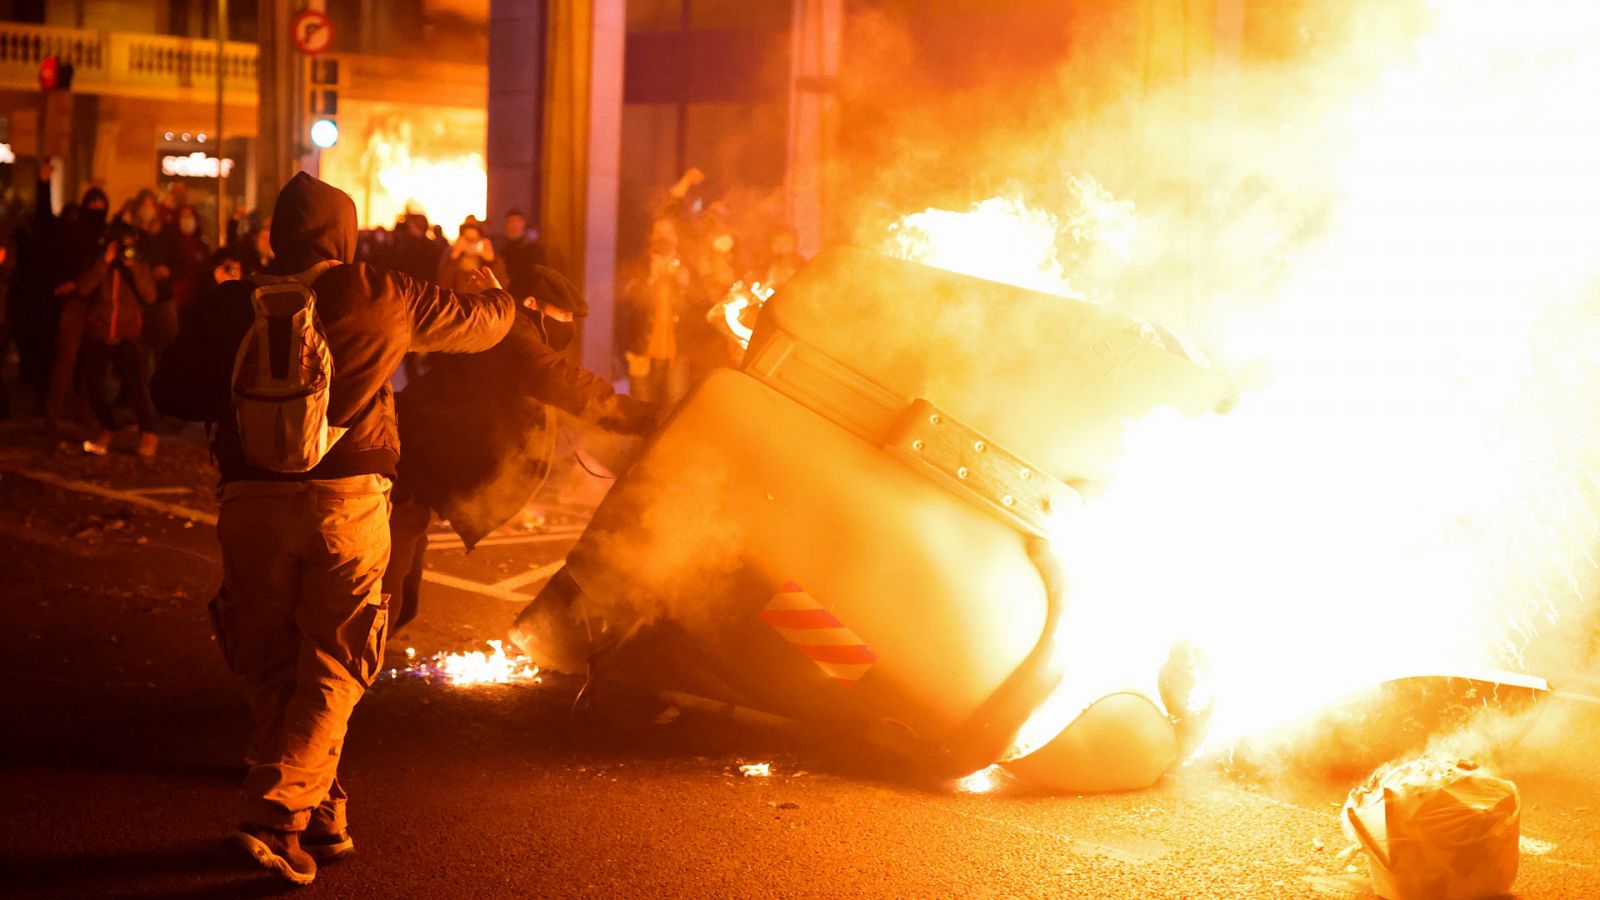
x,y
100,446
328,847
278,851
147,444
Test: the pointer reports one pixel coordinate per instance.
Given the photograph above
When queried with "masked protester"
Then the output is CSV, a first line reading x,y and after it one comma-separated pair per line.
x,y
480,484
187,255
77,241
117,288
301,615
8,267
413,250
179,266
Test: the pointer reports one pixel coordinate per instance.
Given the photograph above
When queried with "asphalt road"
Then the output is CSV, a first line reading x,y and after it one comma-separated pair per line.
x,y
122,733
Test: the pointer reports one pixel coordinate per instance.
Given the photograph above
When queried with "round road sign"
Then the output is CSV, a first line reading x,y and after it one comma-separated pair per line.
x,y
311,31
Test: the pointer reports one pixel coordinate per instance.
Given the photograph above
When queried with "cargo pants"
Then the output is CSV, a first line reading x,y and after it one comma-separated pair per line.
x,y
303,619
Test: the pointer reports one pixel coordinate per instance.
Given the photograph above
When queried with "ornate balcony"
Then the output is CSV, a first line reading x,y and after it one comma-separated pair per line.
x,y
145,65
185,69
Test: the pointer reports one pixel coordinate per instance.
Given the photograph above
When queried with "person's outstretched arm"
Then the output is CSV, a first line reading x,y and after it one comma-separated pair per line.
x,y
448,322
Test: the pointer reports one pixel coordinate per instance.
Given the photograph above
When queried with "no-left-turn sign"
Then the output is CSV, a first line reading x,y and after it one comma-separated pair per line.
x,y
311,31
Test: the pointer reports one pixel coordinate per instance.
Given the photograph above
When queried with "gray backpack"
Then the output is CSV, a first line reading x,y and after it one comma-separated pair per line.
x,y
282,376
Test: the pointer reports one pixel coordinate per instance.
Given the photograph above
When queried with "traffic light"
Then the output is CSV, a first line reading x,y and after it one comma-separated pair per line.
x,y
55,74
323,102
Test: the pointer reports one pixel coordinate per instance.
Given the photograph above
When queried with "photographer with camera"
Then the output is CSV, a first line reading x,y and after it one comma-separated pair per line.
x,y
467,255
116,288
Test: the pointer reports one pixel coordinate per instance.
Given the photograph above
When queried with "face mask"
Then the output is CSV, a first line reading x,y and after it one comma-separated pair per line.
x,y
557,334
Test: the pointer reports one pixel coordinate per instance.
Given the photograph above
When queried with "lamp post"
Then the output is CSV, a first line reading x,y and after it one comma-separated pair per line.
x,y
222,181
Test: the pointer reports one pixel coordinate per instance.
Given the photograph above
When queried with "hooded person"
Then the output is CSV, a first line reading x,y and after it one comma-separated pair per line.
x,y
76,244
301,615
8,265
414,250
504,397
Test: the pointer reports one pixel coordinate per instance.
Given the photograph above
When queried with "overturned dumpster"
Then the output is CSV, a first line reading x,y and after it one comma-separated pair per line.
x,y
849,530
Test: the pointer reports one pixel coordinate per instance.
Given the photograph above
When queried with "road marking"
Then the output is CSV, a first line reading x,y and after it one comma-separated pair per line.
x,y
451,542
466,584
195,515
150,492
530,576
84,487
744,714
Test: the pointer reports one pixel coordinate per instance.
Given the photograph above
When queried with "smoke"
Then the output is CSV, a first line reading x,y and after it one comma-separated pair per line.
x,y
1384,223
666,545
1381,217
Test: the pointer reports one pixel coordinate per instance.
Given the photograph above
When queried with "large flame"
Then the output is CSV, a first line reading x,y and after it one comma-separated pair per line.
x,y
1406,485
447,187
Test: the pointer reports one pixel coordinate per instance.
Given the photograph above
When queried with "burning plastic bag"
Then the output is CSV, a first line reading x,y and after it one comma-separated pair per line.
x,y
1436,830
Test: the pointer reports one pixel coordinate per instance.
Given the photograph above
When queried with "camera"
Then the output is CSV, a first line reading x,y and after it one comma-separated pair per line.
x,y
125,238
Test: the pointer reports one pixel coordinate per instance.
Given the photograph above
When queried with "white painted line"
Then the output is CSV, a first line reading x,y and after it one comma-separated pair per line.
x,y
155,491
510,540
467,584
195,515
447,534
747,715
531,576
83,487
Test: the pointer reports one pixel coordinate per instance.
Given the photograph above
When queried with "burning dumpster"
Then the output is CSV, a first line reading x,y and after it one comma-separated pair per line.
x,y
847,530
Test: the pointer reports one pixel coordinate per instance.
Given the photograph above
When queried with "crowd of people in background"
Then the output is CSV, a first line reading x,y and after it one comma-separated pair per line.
x,y
91,295
670,328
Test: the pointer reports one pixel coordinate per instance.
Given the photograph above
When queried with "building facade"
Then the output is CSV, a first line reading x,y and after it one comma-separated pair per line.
x,y
142,111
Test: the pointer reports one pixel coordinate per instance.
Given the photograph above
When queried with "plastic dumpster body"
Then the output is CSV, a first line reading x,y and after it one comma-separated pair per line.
x,y
836,532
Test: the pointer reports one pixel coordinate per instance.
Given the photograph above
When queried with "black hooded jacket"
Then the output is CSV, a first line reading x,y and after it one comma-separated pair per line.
x,y
74,241
499,398
372,318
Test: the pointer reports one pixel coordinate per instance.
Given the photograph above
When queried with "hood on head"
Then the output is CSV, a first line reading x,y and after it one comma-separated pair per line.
x,y
94,216
311,222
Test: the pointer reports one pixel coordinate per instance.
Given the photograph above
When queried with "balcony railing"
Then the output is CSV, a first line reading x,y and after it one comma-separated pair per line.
x,y
181,61
114,62
185,69
25,46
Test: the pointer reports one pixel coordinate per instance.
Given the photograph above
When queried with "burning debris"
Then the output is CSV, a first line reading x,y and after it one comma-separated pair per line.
x,y
771,503
473,667
1401,486
736,315
1389,474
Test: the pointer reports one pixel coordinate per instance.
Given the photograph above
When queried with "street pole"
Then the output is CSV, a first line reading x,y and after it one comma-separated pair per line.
x,y
222,180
